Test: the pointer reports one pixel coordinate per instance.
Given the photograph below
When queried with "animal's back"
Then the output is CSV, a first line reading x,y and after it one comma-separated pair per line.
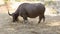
x,y
33,10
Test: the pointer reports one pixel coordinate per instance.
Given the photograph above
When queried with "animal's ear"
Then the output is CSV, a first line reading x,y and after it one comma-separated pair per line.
x,y
9,13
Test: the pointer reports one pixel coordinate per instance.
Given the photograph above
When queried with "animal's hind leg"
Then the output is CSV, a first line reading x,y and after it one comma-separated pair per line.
x,y
40,18
43,18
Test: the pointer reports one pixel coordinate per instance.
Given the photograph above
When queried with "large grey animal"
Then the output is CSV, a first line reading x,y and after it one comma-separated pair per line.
x,y
30,10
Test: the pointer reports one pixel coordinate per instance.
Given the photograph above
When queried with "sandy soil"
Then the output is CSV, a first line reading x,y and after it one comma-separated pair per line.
x,y
50,26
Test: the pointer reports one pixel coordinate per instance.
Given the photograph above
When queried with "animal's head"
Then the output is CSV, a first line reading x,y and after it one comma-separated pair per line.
x,y
14,16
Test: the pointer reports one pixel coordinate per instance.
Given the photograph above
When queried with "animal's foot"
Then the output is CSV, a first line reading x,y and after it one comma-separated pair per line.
x,y
25,21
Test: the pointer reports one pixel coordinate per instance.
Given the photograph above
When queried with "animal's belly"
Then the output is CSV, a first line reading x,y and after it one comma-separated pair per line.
x,y
32,15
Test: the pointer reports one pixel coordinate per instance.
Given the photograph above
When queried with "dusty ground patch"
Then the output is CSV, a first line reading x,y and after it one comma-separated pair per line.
x,y
51,26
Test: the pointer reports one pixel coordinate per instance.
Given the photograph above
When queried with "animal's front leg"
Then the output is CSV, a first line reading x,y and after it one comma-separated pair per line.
x,y
25,19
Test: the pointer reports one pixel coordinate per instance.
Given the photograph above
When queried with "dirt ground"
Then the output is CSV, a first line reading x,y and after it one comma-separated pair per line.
x,y
50,26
